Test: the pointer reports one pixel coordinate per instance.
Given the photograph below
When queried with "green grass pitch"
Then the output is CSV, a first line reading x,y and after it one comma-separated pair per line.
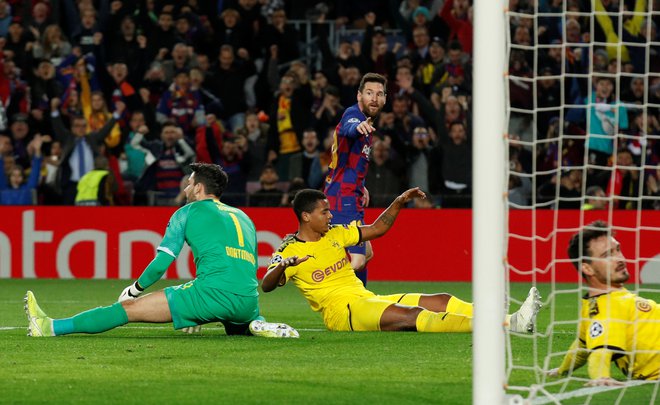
x,y
145,364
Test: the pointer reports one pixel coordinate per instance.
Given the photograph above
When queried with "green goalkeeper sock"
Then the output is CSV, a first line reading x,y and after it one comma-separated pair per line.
x,y
93,321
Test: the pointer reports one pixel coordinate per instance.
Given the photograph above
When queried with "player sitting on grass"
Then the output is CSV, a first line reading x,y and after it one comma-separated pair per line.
x,y
224,243
315,259
615,324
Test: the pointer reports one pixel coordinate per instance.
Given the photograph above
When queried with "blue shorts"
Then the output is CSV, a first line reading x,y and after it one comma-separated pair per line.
x,y
346,218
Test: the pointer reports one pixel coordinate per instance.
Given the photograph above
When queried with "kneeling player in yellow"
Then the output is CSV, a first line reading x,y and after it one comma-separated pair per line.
x,y
615,324
315,260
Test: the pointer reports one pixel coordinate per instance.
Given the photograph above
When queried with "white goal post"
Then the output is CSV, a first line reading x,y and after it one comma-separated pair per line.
x,y
488,202
524,238
502,373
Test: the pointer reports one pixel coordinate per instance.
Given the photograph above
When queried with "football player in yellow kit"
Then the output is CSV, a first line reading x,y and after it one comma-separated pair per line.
x,y
615,324
314,258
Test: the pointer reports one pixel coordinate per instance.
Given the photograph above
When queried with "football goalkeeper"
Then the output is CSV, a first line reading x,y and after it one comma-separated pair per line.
x,y
224,243
315,260
615,324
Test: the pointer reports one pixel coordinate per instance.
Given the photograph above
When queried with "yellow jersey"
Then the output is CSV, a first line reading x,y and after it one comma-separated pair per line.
x,y
326,279
624,322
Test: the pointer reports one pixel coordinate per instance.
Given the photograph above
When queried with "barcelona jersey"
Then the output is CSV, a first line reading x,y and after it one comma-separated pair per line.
x,y
350,161
326,279
627,324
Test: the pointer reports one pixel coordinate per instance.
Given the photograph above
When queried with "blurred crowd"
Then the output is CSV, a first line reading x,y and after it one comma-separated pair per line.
x,y
106,102
589,99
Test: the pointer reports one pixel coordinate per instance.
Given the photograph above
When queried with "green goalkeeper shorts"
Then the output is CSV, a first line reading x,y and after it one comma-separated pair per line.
x,y
194,303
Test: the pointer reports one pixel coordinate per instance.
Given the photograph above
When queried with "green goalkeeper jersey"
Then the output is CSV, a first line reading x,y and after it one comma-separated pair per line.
x,y
223,240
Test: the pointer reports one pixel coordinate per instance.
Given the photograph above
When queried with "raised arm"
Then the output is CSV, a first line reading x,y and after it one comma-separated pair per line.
x,y
386,218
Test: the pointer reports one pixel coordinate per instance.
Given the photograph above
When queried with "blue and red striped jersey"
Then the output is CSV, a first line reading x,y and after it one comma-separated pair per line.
x,y
344,184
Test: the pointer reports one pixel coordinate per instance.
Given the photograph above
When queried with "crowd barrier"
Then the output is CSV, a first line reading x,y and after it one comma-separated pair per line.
x,y
424,245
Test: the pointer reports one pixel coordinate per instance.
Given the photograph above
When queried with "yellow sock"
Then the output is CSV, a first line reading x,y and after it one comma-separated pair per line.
x,y
457,306
428,321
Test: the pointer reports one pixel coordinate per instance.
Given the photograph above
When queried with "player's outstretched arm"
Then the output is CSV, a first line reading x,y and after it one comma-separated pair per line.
x,y
150,275
386,218
599,365
575,358
275,275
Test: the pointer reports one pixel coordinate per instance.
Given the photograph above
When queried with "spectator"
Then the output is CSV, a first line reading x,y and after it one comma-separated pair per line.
x,y
385,176
548,96
5,18
80,147
458,69
422,160
569,193
166,159
49,189
350,82
310,155
52,46
6,147
595,199
163,37
288,118
269,195
456,171
181,105
135,158
329,113
520,186
652,190
431,74
128,45
16,192
420,48
183,59
228,83
208,141
403,124
256,133
605,125
120,88
14,92
625,182
458,16
39,19
42,89
236,163
18,46
376,56
229,30
284,35
19,132
96,187
88,37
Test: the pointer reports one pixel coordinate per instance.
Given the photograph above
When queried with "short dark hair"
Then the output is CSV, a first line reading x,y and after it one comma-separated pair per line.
x,y
211,176
305,201
579,243
373,77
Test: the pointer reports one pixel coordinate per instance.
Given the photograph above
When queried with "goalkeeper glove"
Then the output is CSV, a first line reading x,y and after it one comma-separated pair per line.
x,y
131,292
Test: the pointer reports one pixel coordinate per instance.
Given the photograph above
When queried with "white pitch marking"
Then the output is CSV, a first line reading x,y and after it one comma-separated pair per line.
x,y
584,392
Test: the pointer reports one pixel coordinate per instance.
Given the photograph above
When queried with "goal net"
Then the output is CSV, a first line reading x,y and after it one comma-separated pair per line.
x,y
583,102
